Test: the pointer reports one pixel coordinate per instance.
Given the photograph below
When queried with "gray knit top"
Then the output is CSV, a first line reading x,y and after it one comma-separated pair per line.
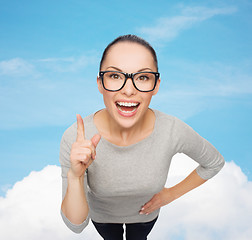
x,y
123,178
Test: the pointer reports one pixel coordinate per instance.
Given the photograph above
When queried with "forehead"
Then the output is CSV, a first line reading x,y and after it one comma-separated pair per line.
x,y
129,56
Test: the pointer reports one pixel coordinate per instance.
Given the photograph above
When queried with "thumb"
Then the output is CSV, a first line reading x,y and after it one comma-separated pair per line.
x,y
96,139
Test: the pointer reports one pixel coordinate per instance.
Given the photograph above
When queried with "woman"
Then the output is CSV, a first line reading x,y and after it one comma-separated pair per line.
x,y
115,162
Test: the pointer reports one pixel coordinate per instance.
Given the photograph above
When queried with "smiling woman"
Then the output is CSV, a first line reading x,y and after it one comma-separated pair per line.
x,y
115,162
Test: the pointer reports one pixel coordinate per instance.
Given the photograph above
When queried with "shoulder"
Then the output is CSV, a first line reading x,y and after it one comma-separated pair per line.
x,y
169,124
165,119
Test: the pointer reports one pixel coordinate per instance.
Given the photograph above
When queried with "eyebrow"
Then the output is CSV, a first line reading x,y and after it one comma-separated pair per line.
x,y
120,70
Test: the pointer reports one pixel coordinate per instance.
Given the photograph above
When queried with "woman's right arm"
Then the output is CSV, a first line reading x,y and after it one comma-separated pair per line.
x,y
74,208
74,205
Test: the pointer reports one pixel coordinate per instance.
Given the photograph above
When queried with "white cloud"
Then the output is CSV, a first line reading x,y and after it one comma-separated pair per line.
x,y
66,59
68,64
220,209
17,67
31,209
168,28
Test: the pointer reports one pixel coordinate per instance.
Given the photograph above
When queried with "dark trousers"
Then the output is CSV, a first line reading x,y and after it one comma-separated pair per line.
x,y
134,231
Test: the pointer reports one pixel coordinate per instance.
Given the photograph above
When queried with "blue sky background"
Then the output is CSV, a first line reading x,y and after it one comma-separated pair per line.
x,y
49,56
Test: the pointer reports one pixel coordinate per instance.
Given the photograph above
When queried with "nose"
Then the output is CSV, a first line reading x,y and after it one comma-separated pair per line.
x,y
129,89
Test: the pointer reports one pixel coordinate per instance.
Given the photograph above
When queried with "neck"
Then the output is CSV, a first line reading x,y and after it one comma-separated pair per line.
x,y
125,136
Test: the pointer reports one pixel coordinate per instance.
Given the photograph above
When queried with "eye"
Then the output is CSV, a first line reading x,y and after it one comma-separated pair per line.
x,y
114,76
143,78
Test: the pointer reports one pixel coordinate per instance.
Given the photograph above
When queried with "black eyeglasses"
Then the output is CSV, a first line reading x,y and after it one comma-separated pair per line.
x,y
143,81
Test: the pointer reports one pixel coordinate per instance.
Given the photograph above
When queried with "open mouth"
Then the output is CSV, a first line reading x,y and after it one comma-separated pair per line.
x,y
127,107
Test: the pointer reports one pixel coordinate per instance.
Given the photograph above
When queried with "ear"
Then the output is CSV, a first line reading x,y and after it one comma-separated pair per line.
x,y
157,87
99,83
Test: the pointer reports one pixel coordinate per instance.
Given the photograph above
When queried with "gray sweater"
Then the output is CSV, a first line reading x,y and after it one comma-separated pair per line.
x,y
123,178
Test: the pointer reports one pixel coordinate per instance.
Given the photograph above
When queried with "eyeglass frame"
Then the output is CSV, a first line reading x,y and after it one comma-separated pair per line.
x,y
127,76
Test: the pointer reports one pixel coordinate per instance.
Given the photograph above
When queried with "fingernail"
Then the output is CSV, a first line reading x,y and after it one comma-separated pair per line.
x,y
141,213
142,208
146,214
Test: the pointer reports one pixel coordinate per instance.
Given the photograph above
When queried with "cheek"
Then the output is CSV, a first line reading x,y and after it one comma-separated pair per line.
x,y
147,98
108,99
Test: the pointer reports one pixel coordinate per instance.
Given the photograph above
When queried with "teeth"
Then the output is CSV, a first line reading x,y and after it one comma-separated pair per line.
x,y
127,104
127,111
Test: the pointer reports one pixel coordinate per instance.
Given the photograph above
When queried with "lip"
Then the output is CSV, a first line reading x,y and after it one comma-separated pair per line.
x,y
129,114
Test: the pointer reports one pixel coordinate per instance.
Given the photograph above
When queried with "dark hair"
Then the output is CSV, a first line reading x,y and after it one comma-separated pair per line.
x,y
133,39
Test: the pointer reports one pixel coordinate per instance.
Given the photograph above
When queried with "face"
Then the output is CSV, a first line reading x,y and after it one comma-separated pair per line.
x,y
127,106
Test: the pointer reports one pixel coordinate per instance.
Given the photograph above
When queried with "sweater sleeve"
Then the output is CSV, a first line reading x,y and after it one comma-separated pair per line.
x,y
199,149
64,158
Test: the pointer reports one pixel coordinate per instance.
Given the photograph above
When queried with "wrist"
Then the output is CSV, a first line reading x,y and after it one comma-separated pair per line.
x,y
173,195
72,177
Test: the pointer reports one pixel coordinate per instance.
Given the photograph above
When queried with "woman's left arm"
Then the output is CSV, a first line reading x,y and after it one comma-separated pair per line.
x,y
197,148
168,195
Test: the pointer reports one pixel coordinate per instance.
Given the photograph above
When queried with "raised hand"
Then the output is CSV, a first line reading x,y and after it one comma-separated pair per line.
x,y
83,151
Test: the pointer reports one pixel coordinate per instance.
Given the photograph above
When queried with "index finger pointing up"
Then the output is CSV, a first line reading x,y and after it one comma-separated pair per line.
x,y
80,128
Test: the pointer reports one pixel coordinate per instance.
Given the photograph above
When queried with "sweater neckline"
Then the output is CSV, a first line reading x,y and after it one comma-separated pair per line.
x,y
149,137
